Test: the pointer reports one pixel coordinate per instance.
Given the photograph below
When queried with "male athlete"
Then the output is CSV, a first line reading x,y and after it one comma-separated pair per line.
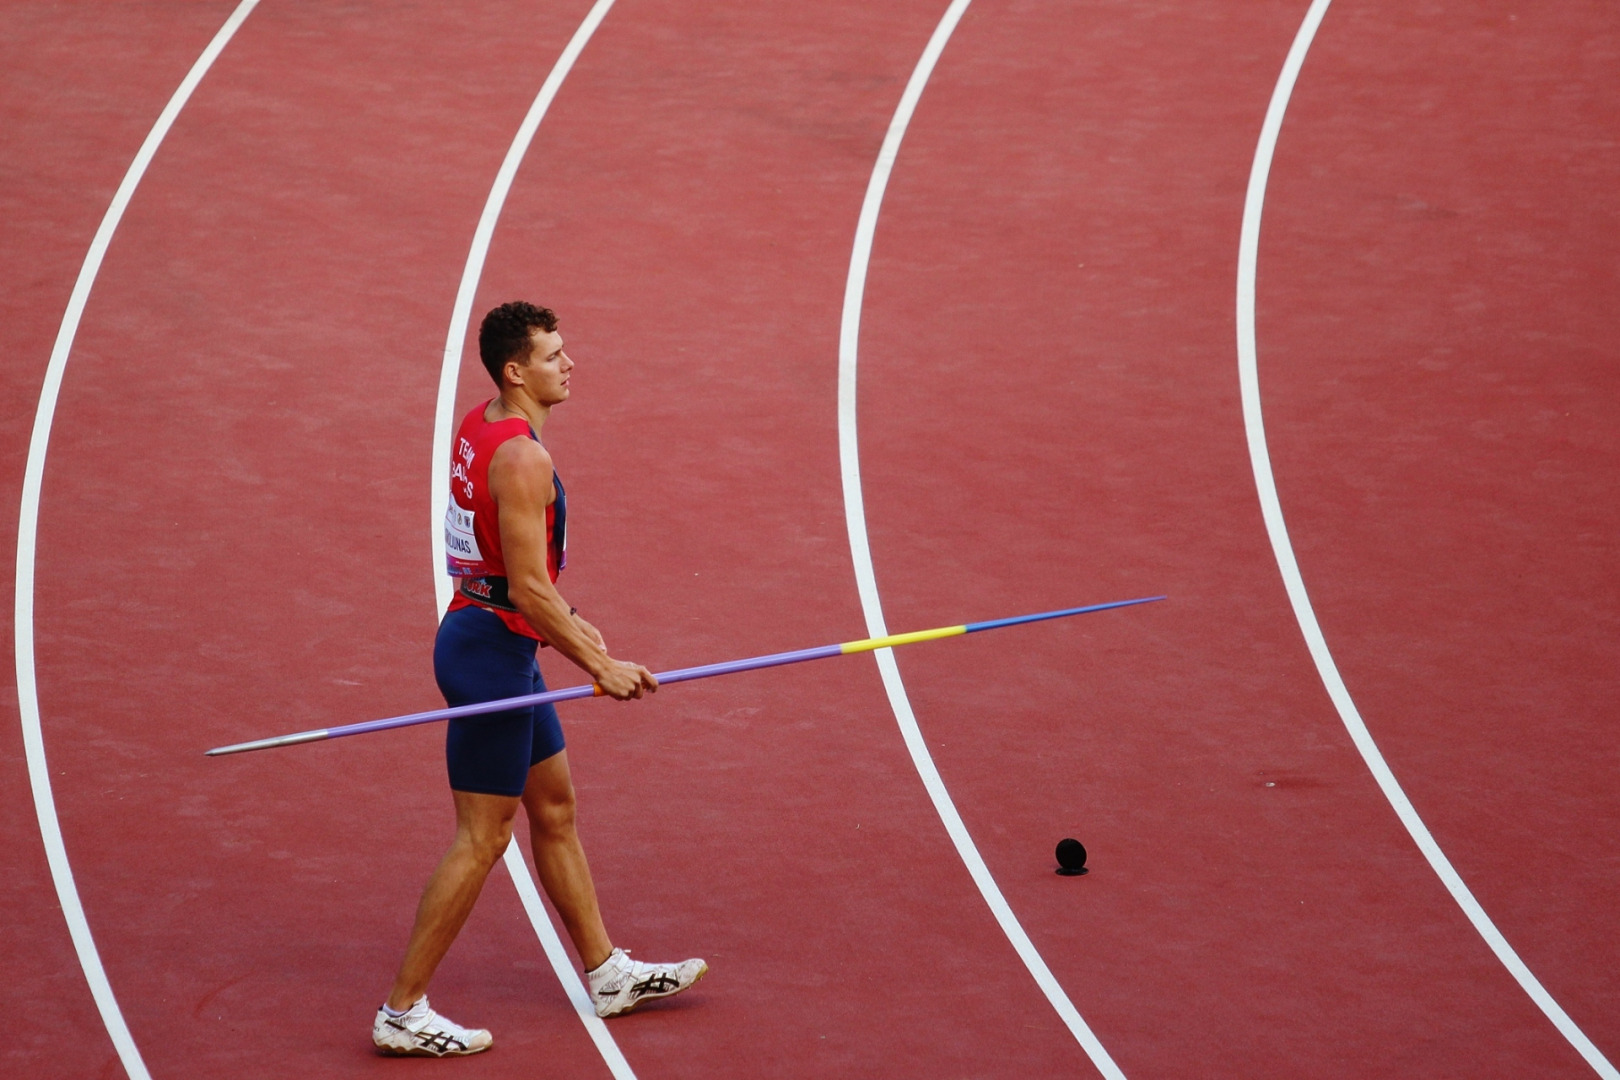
x,y
505,538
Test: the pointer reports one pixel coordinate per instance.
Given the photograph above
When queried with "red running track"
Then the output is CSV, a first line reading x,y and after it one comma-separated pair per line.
x,y
239,545
1085,403
1450,463
81,87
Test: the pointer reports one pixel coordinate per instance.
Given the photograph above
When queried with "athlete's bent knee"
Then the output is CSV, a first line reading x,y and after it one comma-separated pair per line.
x,y
553,815
487,844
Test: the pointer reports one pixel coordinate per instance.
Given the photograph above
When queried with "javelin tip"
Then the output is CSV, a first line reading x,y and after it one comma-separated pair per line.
x,y
266,744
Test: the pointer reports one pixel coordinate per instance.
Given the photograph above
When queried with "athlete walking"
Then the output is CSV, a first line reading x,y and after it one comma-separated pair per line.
x,y
505,535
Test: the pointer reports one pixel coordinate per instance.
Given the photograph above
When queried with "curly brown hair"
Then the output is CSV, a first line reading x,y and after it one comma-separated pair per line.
x,y
507,333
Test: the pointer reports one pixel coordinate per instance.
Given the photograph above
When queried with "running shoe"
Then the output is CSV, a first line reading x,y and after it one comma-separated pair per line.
x,y
620,983
421,1032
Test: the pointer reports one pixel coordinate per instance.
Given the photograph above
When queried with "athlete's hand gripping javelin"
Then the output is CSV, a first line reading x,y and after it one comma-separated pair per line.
x,y
520,483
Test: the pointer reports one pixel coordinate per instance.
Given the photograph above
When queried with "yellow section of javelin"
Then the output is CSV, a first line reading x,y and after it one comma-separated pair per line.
x,y
868,644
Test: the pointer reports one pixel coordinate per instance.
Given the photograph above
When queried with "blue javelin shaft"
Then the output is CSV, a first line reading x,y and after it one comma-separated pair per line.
x,y
704,671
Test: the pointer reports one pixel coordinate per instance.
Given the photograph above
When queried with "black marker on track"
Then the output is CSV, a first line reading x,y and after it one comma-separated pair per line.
x,y
1071,857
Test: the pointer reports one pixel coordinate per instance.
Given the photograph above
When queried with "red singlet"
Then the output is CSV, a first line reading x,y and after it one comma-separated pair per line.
x,y
472,533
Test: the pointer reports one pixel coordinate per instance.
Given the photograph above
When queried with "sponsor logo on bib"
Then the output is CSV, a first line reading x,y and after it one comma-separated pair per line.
x,y
461,543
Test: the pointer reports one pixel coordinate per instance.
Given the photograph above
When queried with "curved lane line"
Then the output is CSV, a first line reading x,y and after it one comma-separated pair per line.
x,y
866,577
39,776
1282,547
443,417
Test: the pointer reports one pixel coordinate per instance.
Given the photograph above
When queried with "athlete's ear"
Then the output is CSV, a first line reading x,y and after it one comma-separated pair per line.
x,y
514,372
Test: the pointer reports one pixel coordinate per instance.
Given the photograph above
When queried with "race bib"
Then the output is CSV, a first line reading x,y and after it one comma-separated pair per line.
x,y
461,543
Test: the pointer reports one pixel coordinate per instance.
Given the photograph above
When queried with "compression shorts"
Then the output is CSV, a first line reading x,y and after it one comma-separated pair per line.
x,y
476,658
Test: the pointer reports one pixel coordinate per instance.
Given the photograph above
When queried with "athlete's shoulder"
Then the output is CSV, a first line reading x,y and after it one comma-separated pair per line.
x,y
524,458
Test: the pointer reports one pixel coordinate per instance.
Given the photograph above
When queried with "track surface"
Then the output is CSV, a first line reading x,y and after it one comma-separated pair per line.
x,y
233,539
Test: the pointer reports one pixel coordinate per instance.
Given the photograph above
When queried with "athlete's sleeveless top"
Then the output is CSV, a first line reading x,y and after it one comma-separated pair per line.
x,y
472,533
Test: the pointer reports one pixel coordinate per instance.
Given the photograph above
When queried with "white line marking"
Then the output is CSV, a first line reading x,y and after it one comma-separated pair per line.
x,y
866,577
443,417
563,965
461,314
1282,547
39,775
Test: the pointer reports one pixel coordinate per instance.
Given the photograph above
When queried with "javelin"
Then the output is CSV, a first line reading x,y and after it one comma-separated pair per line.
x,y
679,675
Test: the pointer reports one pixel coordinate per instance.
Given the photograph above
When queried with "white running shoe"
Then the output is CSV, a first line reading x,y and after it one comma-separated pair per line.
x,y
421,1032
621,983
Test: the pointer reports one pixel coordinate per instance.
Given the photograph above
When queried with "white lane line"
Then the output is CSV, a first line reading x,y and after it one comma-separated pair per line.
x,y
39,775
1282,547
443,418
563,964
461,314
866,577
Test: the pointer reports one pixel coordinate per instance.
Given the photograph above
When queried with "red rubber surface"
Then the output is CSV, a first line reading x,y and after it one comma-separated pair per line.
x,y
1451,465
81,87
234,533
1077,406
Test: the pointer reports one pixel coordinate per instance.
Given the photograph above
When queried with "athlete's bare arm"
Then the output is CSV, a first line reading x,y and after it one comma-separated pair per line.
x,y
520,483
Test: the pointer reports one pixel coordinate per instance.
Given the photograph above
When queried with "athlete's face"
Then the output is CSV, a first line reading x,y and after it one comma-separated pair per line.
x,y
546,373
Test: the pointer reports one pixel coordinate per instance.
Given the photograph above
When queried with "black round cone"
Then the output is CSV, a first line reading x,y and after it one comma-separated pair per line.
x,y
1071,856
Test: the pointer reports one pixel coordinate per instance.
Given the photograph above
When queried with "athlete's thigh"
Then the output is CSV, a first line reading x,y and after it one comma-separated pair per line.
x,y
485,819
550,787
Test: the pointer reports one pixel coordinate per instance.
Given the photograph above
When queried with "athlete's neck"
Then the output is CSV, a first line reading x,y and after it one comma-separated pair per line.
x,y
511,405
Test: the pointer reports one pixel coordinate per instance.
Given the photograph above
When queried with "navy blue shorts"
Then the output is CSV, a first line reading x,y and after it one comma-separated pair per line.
x,y
476,658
